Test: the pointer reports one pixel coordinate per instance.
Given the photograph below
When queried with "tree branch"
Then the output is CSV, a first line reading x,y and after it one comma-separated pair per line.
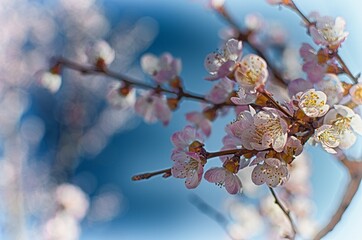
x,y
130,81
285,210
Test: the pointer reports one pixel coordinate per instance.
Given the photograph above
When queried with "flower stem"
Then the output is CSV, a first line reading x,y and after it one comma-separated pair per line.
x,y
275,103
166,173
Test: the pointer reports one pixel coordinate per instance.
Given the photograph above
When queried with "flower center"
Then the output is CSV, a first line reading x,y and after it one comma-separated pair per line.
x,y
342,123
358,94
312,100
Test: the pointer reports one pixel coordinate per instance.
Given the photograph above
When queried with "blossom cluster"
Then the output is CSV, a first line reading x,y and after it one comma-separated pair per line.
x,y
265,134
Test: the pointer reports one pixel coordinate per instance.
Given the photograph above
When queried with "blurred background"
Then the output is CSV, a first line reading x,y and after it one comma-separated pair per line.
x,y
67,158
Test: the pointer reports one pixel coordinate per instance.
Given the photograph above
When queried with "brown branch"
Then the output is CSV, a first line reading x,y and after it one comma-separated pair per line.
x,y
276,104
130,81
285,210
355,173
230,151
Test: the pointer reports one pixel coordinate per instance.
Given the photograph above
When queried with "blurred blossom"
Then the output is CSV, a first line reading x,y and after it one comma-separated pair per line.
x,y
61,226
34,170
50,81
105,206
247,221
72,200
120,100
100,51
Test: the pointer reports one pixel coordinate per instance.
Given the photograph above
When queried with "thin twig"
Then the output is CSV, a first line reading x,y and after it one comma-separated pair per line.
x,y
285,210
142,176
130,81
230,151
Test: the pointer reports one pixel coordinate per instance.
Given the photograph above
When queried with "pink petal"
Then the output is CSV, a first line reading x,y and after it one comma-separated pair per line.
x,y
215,175
258,177
233,184
194,180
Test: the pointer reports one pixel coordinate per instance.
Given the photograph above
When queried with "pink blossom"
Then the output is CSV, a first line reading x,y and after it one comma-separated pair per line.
x,y
230,141
221,91
50,81
251,73
243,98
188,162
221,64
356,93
100,51
224,177
313,103
117,100
162,69
261,130
328,31
200,120
299,85
293,146
331,85
272,171
315,63
315,71
153,107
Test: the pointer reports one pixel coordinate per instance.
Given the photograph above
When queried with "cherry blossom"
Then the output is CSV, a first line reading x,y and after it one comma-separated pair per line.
x,y
224,177
272,172
292,148
221,64
328,31
328,137
331,85
261,130
317,63
153,107
299,85
99,53
230,141
50,81
221,91
313,103
243,97
343,120
162,69
72,199
201,121
187,156
119,100
356,93
252,72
